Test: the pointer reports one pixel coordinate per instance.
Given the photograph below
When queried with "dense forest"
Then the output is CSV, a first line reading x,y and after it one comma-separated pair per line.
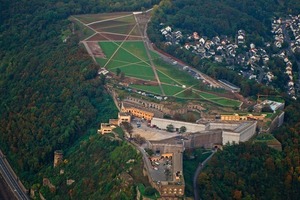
x,y
255,171
100,169
50,95
216,18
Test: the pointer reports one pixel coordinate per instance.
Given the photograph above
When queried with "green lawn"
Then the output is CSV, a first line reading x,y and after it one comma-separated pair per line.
x,y
170,90
154,55
222,101
108,48
147,88
181,77
125,56
137,48
226,102
132,59
142,189
138,71
206,95
193,96
165,78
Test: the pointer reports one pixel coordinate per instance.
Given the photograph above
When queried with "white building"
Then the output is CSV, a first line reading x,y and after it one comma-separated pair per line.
x,y
233,132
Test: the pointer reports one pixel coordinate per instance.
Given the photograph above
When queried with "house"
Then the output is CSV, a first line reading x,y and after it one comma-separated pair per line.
x,y
106,128
196,36
168,28
202,41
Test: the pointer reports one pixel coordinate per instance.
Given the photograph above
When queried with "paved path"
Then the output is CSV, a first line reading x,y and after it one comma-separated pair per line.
x,y
11,180
195,183
149,55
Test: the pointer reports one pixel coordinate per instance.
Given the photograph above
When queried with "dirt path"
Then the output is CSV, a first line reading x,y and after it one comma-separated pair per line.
x,y
89,50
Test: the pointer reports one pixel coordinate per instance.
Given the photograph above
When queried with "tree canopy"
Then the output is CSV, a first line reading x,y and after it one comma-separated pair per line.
x,y
50,92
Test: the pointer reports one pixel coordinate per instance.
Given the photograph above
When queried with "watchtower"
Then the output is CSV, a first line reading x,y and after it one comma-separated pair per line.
x,y
58,157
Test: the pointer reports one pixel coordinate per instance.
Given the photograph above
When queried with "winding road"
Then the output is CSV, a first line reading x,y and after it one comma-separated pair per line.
x,y
195,183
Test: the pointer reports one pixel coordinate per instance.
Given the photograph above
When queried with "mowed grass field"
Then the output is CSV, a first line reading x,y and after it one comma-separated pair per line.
x,y
148,88
129,56
171,75
132,59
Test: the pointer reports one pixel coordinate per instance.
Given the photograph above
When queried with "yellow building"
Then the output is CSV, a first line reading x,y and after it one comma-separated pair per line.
x,y
237,117
106,128
138,112
123,117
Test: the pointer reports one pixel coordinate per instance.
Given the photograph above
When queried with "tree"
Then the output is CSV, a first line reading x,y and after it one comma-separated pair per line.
x,y
128,127
139,139
167,173
118,71
102,79
122,75
182,129
149,191
170,128
188,92
190,117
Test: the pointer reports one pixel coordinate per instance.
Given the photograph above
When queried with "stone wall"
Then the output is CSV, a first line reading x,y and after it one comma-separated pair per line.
x,y
207,139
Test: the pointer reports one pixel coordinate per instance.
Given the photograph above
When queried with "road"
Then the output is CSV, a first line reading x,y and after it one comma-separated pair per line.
x,y
5,191
11,180
195,183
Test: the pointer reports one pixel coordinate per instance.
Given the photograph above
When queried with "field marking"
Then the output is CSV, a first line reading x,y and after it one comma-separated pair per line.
x,y
119,46
149,55
168,77
122,66
120,34
89,50
105,20
85,24
216,98
89,37
142,60
184,90
112,26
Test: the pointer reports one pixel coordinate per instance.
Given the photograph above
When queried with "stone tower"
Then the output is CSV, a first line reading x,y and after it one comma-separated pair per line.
x,y
58,157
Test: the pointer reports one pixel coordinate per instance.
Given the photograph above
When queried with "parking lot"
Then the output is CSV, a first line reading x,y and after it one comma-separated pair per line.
x,y
150,133
162,170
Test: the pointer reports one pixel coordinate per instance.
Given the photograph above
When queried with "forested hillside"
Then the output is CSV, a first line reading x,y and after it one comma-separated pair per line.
x,y
214,17
50,95
101,168
256,171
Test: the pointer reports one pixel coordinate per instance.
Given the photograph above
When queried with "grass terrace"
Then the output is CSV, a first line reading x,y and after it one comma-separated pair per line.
x,y
99,17
148,88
